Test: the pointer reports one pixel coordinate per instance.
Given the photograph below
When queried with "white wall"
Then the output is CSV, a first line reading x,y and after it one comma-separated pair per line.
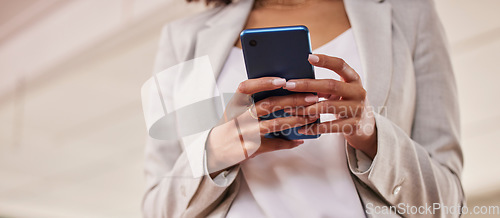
x,y
71,126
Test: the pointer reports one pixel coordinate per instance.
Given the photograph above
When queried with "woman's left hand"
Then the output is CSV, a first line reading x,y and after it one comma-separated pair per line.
x,y
346,99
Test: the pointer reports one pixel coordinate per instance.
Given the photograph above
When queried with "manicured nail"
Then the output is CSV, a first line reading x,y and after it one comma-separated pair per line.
x,y
279,82
301,131
311,98
289,85
313,58
299,142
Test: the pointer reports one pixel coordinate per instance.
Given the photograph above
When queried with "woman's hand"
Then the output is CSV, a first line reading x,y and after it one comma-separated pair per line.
x,y
241,134
346,99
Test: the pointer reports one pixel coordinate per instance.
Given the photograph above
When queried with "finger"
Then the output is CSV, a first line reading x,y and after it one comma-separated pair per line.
x,y
328,96
327,86
275,103
342,108
338,65
275,144
347,126
324,95
283,123
252,86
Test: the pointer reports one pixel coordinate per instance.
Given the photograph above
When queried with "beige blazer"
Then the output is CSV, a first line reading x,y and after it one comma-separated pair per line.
x,y
409,80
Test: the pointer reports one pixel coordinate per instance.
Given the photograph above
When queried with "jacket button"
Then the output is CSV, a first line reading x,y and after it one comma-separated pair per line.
x,y
396,190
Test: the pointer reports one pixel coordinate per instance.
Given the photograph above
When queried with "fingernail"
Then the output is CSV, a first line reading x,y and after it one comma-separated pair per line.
x,y
301,131
299,142
311,98
289,85
279,82
313,58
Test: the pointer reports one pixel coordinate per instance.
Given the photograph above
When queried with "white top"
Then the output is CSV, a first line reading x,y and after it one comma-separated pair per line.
x,y
311,180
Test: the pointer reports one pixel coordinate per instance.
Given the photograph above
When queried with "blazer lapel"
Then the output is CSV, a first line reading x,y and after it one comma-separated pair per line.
x,y
371,24
220,33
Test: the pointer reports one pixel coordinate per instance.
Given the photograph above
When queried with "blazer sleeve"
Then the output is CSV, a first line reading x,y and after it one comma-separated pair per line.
x,y
171,189
422,168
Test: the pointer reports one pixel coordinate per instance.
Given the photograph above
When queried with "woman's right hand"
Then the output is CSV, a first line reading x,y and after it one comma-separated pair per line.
x,y
241,135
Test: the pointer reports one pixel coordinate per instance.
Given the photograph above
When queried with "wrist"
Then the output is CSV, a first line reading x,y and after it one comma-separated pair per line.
x,y
364,143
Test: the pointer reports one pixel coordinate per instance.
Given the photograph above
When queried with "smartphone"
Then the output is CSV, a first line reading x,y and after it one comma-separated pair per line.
x,y
278,52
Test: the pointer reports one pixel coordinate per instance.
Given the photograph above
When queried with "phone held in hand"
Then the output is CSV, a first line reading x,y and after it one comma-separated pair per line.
x,y
278,52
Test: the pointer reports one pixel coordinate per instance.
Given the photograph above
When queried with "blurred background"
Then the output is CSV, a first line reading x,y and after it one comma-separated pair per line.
x,y
71,124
